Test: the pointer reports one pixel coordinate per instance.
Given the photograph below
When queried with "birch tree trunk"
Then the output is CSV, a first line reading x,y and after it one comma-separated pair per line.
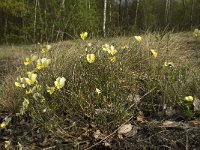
x,y
62,26
89,5
45,18
110,12
167,11
5,28
119,16
136,11
191,14
104,18
35,20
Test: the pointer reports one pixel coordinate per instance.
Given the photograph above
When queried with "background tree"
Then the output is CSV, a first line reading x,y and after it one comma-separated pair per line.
x,y
32,21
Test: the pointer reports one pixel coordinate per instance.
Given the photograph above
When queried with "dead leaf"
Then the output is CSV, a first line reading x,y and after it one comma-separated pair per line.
x,y
196,104
98,135
120,136
125,129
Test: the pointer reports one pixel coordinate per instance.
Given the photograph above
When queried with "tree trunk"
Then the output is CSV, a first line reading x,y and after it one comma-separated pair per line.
x,y
89,5
104,18
110,12
167,11
34,36
45,18
136,12
191,14
5,28
119,16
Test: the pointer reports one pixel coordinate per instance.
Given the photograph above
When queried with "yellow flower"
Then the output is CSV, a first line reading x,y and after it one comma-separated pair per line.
x,y
196,33
125,47
4,125
7,144
43,63
50,90
98,91
89,44
20,147
154,53
138,38
31,78
189,98
112,50
105,47
169,64
60,82
21,82
32,90
83,35
46,49
6,121
27,61
30,60
25,103
90,58
113,59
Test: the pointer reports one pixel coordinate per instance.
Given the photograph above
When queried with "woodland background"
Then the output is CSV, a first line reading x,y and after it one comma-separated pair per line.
x,y
32,21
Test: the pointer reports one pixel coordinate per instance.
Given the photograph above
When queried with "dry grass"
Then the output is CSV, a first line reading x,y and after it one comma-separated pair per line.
x,y
135,72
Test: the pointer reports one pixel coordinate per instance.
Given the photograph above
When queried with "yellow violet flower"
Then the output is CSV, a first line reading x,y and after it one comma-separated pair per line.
x,y
89,44
60,82
21,82
112,50
113,59
105,47
27,61
30,60
154,53
125,47
4,125
83,35
50,90
46,49
169,64
196,32
43,63
31,78
90,58
189,98
32,90
20,147
138,38
7,144
98,91
6,121
25,103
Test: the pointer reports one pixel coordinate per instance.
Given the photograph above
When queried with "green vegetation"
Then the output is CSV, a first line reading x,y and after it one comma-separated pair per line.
x,y
76,89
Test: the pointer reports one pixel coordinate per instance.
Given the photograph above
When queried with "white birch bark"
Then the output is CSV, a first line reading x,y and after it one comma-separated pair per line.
x,y
191,14
36,3
110,12
104,18
136,11
167,11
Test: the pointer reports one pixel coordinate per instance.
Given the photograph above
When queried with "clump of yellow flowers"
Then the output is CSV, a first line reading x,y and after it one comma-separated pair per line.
x,y
110,49
31,83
